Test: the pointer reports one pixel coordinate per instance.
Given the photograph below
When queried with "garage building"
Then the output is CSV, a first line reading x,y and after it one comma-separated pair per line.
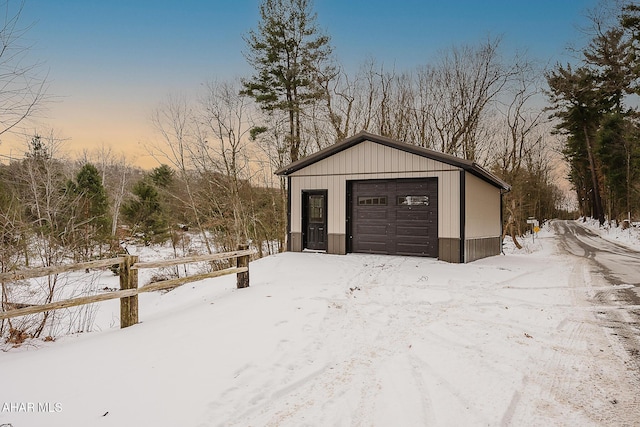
x,y
372,194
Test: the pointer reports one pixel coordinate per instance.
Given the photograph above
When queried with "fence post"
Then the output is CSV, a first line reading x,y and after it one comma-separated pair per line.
x,y
243,261
128,280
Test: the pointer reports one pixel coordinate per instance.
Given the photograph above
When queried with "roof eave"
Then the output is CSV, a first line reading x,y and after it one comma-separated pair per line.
x,y
484,174
467,165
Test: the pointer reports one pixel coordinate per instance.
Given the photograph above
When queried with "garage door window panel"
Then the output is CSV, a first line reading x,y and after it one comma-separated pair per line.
x,y
372,201
413,200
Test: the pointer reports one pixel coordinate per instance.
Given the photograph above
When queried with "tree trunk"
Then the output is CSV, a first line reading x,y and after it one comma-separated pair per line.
x,y
597,201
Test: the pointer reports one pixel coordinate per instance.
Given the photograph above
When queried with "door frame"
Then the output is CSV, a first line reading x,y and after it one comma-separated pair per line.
x,y
305,215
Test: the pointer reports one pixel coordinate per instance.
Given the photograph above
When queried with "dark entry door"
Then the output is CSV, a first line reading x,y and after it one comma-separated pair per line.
x,y
315,219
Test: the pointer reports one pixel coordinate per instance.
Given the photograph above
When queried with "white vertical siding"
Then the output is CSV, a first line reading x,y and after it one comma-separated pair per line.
x,y
482,208
369,160
449,204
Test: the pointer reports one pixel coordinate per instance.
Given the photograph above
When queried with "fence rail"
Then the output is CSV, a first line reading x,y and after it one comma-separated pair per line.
x,y
129,290
45,271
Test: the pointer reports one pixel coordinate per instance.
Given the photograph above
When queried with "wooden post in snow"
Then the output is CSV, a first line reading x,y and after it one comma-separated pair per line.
x,y
128,280
243,261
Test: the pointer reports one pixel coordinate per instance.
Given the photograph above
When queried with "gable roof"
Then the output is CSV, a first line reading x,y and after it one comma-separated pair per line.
x,y
466,165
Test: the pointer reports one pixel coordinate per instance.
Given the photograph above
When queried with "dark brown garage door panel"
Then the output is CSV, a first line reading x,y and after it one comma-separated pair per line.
x,y
373,213
395,216
374,246
411,231
371,229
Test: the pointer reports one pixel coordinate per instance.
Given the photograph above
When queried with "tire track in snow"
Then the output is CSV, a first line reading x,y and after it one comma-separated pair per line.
x,y
374,341
386,327
573,378
620,320
333,388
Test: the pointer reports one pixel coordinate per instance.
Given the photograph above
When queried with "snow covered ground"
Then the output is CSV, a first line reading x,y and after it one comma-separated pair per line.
x,y
323,340
629,237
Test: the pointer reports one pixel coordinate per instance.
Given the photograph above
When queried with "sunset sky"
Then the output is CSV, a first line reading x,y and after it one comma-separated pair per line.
x,y
110,63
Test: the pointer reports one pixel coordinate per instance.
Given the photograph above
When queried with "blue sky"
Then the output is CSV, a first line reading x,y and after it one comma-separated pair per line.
x,y
111,62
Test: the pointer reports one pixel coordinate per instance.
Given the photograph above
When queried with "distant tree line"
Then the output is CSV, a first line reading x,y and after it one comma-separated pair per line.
x,y
595,103
54,209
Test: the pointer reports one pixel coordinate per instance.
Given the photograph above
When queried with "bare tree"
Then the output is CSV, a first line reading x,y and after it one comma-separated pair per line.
x,y
41,180
520,116
22,84
460,88
226,114
375,99
273,143
13,235
118,181
176,122
446,106
340,98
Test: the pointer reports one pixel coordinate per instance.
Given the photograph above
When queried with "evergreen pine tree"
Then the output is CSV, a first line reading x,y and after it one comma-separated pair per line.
x,y
290,55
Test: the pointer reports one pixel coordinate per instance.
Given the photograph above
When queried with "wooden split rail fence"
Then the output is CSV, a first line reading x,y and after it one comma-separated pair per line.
x,y
129,290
